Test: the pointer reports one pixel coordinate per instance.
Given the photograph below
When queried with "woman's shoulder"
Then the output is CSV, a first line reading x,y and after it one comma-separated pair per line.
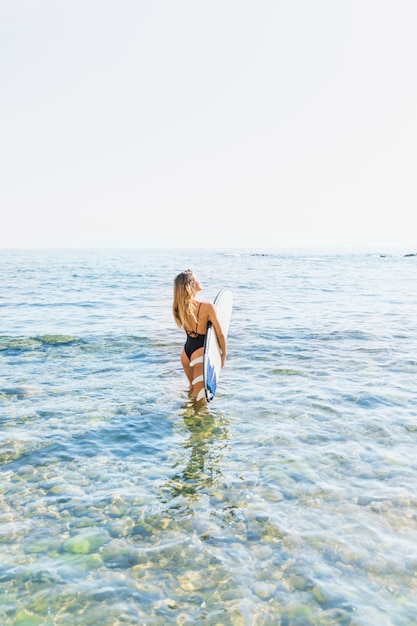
x,y
207,307
206,304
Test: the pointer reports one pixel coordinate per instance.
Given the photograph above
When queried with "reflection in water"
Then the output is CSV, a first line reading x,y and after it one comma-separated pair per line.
x,y
208,434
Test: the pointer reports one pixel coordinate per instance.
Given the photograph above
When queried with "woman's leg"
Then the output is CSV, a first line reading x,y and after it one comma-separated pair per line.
x,y
185,362
196,364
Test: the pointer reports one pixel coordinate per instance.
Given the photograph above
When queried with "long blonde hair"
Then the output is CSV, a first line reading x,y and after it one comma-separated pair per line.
x,y
185,288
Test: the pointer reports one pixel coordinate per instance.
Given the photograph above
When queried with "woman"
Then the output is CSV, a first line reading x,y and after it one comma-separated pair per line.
x,y
193,316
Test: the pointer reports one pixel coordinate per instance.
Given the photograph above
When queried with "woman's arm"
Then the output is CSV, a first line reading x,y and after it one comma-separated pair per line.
x,y
212,317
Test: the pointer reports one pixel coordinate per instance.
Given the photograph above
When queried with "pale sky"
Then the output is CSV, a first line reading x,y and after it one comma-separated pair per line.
x,y
181,123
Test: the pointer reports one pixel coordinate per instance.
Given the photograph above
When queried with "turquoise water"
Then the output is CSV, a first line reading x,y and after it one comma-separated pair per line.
x,y
291,500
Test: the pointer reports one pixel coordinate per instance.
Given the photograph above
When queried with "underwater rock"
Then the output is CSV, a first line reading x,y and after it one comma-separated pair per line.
x,y
23,618
85,543
264,590
190,580
122,527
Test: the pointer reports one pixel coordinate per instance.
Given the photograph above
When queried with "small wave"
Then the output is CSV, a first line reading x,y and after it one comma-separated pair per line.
x,y
287,372
58,340
342,335
14,393
18,344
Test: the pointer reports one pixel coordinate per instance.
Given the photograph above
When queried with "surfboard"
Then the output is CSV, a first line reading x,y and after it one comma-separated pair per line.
x,y
212,362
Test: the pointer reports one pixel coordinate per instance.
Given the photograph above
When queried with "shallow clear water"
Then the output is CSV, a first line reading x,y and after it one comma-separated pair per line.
x,y
291,500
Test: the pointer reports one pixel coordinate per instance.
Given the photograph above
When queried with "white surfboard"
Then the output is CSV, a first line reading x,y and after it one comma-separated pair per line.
x,y
212,362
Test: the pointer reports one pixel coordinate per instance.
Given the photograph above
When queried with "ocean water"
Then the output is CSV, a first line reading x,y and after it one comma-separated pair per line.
x,y
290,500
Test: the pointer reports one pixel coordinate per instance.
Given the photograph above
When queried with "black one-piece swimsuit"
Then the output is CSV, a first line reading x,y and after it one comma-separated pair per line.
x,y
194,339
